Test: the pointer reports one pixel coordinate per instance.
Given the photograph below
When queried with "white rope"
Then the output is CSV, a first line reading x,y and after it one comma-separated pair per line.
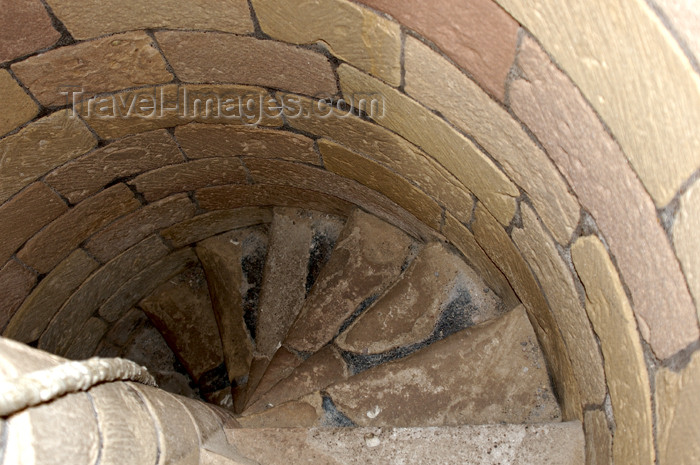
x,y
43,386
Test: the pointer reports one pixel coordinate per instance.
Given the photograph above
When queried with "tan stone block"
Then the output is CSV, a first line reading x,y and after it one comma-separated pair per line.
x,y
103,65
25,27
686,241
206,57
134,111
495,241
348,164
352,33
209,224
146,282
625,368
279,367
677,407
48,297
477,34
541,253
25,214
420,126
463,239
317,372
59,432
367,258
408,312
47,248
383,146
17,106
95,290
490,373
112,16
39,148
221,258
181,310
314,179
122,330
204,141
598,438
89,336
685,19
19,359
133,228
439,85
128,432
600,175
267,195
189,176
16,283
85,176
178,439
644,87
303,413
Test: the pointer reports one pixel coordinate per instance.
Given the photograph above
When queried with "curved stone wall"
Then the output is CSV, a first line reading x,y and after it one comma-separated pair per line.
x,y
556,148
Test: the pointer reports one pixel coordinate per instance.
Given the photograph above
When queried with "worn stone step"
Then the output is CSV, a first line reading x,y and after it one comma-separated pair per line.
x,y
300,243
551,444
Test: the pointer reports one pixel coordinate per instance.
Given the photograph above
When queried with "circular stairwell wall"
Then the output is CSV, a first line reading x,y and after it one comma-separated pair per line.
x,y
556,148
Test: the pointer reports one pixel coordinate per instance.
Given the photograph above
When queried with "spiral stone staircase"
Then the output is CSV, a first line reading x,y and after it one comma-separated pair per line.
x,y
349,231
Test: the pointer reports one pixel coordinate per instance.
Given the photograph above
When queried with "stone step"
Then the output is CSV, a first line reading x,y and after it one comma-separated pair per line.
x,y
300,242
551,444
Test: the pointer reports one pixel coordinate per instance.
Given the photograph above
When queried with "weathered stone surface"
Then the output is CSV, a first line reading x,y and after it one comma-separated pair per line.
x,y
125,15
103,65
436,83
25,27
25,214
55,433
455,152
642,84
346,163
189,176
135,111
352,33
310,178
553,444
477,34
209,140
40,147
182,311
319,371
19,359
463,239
597,171
598,438
491,373
146,282
677,406
128,433
210,424
222,257
368,257
178,441
87,339
48,297
625,368
282,365
685,19
383,146
122,330
85,176
133,228
540,251
206,57
686,240
16,282
209,224
284,278
18,107
306,412
495,241
96,290
267,195
408,312
48,247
